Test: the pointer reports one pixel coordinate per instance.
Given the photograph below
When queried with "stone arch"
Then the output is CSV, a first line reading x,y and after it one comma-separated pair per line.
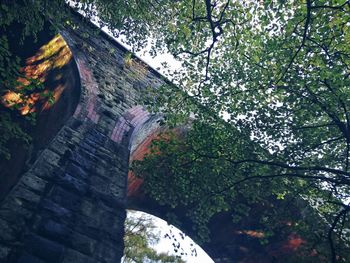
x,y
229,241
70,205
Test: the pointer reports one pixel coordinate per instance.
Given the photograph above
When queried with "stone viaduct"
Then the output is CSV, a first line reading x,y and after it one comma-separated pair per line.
x,y
70,203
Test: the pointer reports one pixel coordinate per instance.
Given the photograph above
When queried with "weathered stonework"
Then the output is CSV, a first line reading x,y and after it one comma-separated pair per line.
x,y
70,205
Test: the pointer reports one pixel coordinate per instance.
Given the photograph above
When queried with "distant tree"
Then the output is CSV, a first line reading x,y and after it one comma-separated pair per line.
x,y
140,234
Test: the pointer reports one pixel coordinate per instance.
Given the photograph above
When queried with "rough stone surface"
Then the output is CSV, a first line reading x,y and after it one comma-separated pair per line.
x,y
70,205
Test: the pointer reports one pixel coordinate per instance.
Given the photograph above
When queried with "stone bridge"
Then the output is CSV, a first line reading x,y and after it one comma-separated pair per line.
x,y
70,203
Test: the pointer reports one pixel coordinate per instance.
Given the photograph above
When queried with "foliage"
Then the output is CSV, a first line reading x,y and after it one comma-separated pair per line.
x,y
208,174
140,235
9,128
27,18
278,72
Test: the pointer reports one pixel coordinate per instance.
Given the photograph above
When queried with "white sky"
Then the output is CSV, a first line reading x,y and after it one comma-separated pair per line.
x,y
165,244
144,55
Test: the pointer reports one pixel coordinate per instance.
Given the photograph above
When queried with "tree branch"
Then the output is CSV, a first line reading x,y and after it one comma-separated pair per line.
x,y
306,27
284,165
331,7
342,213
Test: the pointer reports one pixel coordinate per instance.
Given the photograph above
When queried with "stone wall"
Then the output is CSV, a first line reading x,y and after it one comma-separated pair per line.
x,y
70,205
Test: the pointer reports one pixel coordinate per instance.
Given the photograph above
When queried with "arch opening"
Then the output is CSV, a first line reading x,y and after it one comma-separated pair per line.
x,y
141,138
158,239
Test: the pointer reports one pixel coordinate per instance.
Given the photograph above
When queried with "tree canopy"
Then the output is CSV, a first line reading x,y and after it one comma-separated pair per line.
x,y
278,73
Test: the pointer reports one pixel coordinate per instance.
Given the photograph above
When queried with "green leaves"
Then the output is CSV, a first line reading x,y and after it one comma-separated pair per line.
x,y
202,178
279,73
28,17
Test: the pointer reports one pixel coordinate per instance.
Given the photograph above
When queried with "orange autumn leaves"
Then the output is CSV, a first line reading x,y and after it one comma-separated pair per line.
x,y
53,55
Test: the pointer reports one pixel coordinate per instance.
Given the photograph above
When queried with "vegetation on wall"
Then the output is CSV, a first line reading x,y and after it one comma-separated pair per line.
x,y
21,21
18,21
9,128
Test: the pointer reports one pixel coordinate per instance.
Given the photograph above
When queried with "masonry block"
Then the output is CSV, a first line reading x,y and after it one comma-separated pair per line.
x,y
55,210
27,258
8,233
54,230
43,248
70,183
25,197
13,210
109,253
4,253
34,183
76,171
82,243
89,226
96,137
80,160
46,169
73,256
66,199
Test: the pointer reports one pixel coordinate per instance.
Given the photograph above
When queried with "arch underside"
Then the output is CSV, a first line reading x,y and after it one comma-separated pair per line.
x,y
229,241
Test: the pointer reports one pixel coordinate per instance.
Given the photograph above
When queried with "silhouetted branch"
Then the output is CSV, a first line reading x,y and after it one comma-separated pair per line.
x,y
341,214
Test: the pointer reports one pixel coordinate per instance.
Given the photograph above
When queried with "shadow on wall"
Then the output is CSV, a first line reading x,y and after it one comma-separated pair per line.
x,y
49,63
